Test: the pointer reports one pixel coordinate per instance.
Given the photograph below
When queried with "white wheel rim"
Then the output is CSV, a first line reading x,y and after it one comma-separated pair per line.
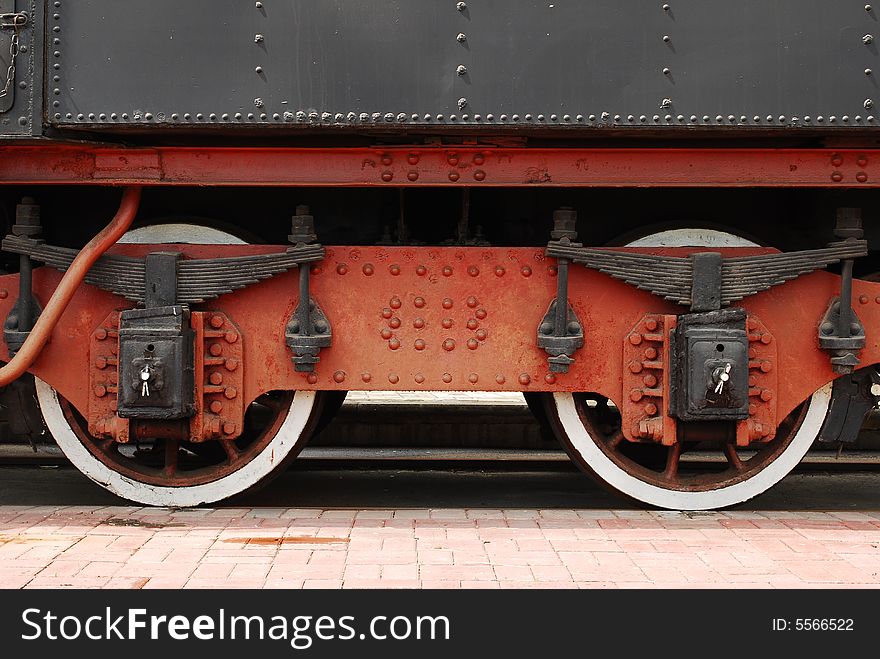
x,y
692,238
289,436
587,448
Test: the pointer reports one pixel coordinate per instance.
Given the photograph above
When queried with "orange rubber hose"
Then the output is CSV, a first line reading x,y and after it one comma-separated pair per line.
x,y
69,284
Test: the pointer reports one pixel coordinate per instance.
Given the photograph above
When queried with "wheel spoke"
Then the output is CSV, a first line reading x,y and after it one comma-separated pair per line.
x,y
672,458
231,449
732,457
615,439
172,451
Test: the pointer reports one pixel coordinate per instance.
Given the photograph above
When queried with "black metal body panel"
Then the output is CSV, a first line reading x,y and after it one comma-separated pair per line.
x,y
21,107
518,63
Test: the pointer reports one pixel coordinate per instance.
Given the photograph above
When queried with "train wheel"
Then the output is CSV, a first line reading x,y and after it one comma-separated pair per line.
x,y
165,472
589,427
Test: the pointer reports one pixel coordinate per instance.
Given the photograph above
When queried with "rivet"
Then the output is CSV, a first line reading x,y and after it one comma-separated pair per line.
x,y
341,269
447,378
766,395
393,379
447,303
473,344
3,293
419,302
368,269
862,177
472,324
461,69
863,299
650,409
651,325
635,339
473,378
100,334
394,323
339,376
419,378
449,345
412,176
421,271
636,395
837,160
480,313
453,176
216,378
447,323
524,379
366,377
311,378
837,177
232,392
650,380
550,378
452,159
229,428
499,271
386,333
651,354
419,344
862,161
471,302
499,379
447,271
481,335
387,176
526,271
231,364
387,313
100,391
479,175
216,406
666,71
216,349
766,367
419,323
394,344
395,302
461,37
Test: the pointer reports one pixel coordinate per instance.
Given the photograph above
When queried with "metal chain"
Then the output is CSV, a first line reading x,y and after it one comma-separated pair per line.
x,y
16,22
10,72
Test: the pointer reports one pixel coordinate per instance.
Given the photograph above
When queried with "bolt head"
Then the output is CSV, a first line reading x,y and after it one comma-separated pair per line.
x,y
875,389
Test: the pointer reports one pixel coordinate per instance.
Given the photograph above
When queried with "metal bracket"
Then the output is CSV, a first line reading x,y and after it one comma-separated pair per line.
x,y
852,398
308,329
841,332
560,333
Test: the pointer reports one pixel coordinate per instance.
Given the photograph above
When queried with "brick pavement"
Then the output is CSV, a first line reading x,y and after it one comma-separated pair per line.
x,y
132,547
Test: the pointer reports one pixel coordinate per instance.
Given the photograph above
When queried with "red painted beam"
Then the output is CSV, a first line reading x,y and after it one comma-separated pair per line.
x,y
434,166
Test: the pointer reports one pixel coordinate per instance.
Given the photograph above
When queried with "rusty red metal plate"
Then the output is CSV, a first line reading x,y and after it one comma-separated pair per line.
x,y
482,166
449,318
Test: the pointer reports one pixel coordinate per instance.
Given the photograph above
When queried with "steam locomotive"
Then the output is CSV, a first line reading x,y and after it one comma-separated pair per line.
x,y
653,219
